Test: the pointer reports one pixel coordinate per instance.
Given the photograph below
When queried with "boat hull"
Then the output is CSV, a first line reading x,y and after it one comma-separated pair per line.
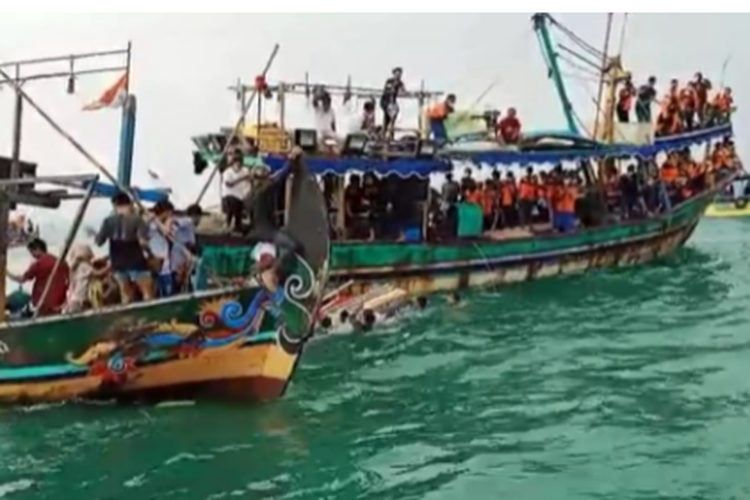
x,y
422,268
207,346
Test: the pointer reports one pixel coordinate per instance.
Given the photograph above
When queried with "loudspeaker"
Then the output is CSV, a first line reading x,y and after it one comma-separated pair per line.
x,y
355,144
306,139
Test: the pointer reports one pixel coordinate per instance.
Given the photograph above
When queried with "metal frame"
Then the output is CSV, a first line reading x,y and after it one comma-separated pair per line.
x,y
17,81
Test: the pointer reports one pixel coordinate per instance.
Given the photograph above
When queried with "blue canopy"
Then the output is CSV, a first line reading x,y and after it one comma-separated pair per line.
x,y
147,195
596,150
403,167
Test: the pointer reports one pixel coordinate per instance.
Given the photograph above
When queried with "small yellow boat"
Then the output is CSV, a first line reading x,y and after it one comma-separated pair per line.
x,y
725,209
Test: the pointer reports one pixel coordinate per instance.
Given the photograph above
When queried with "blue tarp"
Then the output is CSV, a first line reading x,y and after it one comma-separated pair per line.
x,y
148,195
340,166
660,145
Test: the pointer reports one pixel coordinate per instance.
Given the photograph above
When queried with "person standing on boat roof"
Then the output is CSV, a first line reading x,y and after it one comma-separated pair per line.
x,y
437,116
702,86
325,119
509,128
367,122
646,97
127,234
40,272
625,100
389,99
237,183
688,103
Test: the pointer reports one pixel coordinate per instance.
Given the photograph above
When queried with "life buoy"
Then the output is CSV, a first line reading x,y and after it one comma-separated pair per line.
x,y
740,204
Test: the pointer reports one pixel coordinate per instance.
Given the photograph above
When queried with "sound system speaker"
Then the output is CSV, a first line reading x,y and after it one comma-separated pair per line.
x,y
306,139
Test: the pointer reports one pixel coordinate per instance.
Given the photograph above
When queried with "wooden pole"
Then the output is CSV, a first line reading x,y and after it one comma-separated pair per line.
x,y
15,172
600,92
237,127
68,243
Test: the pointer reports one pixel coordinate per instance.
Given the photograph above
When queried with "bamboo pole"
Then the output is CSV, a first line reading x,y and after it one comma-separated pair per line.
x,y
237,127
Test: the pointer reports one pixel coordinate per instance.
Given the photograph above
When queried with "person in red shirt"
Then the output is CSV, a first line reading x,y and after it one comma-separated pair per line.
x,y
40,272
509,128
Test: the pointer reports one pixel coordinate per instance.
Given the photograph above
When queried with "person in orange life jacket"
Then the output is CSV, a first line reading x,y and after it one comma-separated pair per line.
x,y
668,123
646,97
723,104
509,128
670,172
508,192
625,101
489,204
688,103
527,197
543,196
701,86
437,116
565,206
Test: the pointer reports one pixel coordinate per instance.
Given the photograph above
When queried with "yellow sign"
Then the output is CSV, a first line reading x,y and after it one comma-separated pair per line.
x,y
274,141
271,139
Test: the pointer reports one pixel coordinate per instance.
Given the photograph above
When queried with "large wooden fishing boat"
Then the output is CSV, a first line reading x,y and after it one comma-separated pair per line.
x,y
492,257
239,341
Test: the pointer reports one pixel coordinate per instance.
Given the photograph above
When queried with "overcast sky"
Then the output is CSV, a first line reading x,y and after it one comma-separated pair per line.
x,y
182,65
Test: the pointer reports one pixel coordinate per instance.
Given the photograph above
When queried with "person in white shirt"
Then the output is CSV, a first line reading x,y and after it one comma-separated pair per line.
x,y
237,183
325,119
161,247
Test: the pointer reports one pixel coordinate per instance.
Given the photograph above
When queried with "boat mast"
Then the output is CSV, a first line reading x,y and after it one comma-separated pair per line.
x,y
17,81
602,81
550,56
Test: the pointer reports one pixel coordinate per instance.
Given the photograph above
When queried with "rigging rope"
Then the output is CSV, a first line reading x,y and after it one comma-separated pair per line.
x,y
576,39
622,34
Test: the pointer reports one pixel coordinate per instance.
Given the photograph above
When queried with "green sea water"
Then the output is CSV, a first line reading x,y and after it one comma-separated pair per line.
x,y
629,384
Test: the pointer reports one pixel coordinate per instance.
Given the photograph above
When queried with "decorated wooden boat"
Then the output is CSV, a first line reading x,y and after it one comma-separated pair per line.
x,y
423,265
239,342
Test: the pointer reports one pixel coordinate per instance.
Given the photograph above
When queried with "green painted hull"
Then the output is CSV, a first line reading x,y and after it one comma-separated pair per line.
x,y
440,266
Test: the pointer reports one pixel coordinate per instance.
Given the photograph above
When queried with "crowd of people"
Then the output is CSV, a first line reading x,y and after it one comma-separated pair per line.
x,y
559,197
685,107
151,255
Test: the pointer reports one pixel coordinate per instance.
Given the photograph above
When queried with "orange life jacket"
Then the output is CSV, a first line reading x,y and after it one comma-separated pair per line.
x,y
669,172
527,189
688,98
438,112
723,102
566,200
475,197
625,100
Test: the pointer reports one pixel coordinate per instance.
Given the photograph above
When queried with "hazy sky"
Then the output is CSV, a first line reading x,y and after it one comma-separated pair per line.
x,y
183,63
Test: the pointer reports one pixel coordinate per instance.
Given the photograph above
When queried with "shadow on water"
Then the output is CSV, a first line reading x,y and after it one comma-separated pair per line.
x,y
627,384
